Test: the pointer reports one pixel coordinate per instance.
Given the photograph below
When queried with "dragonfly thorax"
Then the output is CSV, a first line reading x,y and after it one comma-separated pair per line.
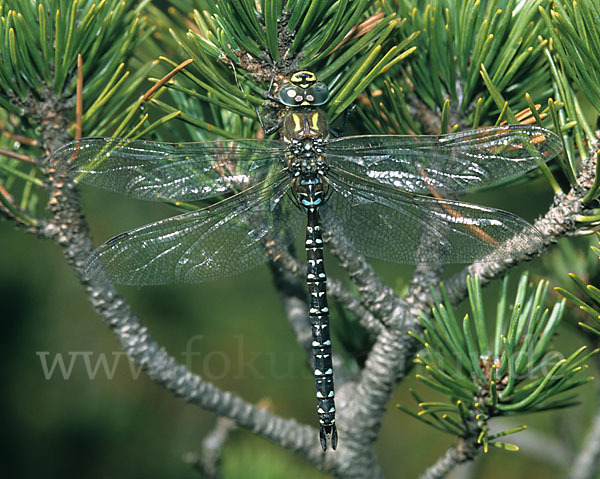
x,y
300,125
305,133
305,157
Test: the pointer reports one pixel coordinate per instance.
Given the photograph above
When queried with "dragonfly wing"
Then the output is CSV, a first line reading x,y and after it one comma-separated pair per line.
x,y
156,171
445,164
386,223
219,241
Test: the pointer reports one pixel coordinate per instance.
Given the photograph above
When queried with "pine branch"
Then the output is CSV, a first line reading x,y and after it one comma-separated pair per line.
x,y
559,221
390,355
208,462
68,228
465,451
237,53
378,298
38,83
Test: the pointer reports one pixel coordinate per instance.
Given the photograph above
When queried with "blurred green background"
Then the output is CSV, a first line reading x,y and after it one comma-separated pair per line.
x,y
123,425
92,422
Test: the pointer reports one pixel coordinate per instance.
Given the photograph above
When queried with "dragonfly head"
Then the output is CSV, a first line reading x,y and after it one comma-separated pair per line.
x,y
303,89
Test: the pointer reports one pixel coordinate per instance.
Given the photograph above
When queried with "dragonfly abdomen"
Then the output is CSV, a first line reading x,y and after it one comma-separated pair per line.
x,y
321,338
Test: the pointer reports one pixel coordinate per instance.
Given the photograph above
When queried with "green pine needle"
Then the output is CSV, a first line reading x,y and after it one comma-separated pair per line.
x,y
509,374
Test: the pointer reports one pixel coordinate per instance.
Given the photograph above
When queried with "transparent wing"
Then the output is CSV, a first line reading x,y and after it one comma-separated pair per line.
x,y
445,164
155,171
222,240
386,223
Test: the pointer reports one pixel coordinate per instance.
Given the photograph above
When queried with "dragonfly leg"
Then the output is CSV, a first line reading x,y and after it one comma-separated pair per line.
x,y
339,132
267,131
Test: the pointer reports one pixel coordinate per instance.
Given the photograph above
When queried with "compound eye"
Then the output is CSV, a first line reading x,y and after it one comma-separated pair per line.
x,y
318,94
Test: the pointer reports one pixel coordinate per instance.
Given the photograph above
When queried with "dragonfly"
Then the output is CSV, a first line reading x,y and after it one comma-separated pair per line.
x,y
387,195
